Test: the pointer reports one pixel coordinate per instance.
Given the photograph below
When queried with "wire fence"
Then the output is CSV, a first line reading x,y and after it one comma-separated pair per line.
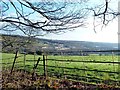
x,y
85,68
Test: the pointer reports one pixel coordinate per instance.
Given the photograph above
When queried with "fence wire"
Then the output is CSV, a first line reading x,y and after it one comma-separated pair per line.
x,y
61,68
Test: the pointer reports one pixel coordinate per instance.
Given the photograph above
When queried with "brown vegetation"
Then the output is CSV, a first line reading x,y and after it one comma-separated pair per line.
x,y
20,79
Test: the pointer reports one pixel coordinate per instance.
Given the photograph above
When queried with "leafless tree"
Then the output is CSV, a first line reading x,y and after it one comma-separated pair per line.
x,y
51,16
39,17
104,13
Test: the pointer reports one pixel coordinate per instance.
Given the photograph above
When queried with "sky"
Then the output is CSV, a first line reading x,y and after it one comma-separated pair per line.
x,y
107,34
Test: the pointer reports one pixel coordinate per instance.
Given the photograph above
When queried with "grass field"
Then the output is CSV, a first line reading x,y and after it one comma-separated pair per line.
x,y
67,61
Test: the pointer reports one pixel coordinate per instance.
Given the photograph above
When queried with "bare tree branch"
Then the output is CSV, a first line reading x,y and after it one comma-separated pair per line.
x,y
52,16
43,17
39,18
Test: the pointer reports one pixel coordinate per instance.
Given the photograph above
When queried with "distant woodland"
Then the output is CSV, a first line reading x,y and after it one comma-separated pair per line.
x,y
30,45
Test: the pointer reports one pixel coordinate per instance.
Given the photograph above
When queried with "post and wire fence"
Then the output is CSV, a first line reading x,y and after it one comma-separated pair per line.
x,y
83,67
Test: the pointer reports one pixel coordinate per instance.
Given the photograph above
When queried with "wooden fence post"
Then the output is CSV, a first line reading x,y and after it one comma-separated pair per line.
x,y
24,60
34,58
113,61
35,66
44,65
14,61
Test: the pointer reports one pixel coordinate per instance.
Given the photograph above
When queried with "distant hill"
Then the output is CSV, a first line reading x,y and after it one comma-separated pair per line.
x,y
82,45
48,44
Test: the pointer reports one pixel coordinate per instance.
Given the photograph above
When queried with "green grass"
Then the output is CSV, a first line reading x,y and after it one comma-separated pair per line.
x,y
8,58
91,66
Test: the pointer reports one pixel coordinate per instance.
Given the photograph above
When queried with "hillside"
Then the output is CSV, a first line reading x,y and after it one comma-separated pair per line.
x,y
47,44
79,45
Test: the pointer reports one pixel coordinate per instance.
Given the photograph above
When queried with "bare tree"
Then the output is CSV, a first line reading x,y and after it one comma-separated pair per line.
x,y
51,16
41,16
37,18
104,13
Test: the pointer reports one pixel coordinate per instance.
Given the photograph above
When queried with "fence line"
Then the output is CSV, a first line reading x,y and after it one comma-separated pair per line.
x,y
69,61
79,51
81,69
72,68
85,61
45,71
91,77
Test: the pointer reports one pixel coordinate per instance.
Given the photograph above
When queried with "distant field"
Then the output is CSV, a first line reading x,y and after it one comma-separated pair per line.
x,y
54,66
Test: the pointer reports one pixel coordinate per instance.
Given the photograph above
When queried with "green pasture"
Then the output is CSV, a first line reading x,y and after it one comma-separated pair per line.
x,y
30,60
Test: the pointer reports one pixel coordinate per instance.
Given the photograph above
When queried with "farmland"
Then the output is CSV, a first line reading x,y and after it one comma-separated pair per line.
x,y
92,68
